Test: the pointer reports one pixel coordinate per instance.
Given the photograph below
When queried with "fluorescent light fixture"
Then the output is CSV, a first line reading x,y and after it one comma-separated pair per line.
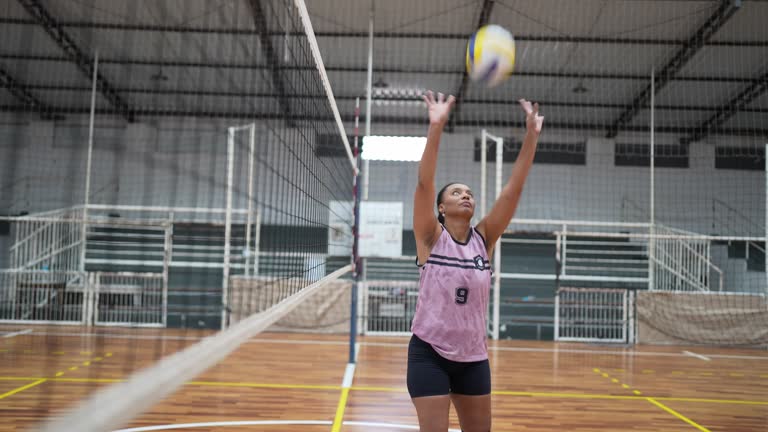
x,y
393,148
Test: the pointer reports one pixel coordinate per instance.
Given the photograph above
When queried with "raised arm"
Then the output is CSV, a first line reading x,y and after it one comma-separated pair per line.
x,y
495,222
425,226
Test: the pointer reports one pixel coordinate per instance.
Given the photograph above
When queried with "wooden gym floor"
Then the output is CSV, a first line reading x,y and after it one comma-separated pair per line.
x,y
291,382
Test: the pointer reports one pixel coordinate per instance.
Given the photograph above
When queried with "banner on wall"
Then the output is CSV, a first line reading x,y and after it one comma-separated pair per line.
x,y
340,228
381,229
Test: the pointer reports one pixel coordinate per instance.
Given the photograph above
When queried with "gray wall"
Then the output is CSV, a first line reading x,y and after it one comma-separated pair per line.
x,y
600,191
183,163
180,164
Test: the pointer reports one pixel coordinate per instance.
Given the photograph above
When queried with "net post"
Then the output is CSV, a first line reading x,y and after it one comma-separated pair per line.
x,y
563,249
227,226
368,99
651,229
497,254
249,217
89,160
558,245
483,171
765,253
167,256
256,243
499,142
356,192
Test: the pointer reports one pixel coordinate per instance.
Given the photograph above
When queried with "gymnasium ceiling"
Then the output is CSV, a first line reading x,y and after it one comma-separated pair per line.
x,y
588,62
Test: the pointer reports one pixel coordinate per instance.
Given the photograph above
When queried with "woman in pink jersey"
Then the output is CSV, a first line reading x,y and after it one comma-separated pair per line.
x,y
447,355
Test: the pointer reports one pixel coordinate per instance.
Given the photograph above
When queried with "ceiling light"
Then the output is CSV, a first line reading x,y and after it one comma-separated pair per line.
x,y
393,148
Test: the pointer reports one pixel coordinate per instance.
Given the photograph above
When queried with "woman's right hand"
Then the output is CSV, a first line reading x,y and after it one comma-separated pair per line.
x,y
439,109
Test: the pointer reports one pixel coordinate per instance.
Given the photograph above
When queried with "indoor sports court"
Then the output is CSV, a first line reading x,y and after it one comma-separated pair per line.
x,y
207,211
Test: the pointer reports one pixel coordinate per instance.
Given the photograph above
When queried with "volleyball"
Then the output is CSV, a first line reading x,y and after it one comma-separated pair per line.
x,y
490,55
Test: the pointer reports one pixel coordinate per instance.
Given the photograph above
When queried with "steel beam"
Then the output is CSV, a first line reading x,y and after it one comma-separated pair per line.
x,y
702,35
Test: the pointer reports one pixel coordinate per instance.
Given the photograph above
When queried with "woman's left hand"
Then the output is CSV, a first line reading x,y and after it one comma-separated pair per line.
x,y
533,121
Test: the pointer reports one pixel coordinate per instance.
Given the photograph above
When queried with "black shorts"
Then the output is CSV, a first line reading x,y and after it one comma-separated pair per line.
x,y
430,374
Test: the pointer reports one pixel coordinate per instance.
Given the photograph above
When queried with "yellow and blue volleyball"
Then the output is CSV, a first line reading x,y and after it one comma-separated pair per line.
x,y
490,55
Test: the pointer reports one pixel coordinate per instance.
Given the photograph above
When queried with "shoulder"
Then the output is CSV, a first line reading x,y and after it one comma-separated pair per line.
x,y
482,243
481,236
424,250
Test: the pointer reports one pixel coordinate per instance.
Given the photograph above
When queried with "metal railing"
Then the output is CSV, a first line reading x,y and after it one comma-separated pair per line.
x,y
602,252
594,315
44,297
129,299
682,261
47,241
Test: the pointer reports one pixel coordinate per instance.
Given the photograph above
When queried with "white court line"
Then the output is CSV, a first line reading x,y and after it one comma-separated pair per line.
x,y
698,356
119,336
387,425
403,345
272,423
18,333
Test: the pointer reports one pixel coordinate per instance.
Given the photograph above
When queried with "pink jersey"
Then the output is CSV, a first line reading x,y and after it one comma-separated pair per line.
x,y
452,306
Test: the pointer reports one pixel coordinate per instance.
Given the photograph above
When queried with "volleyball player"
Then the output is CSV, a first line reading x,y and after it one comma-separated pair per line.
x,y
447,354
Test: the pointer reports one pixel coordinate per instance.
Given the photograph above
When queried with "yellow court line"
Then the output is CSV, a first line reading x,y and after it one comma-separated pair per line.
x,y
677,414
737,374
615,380
400,390
22,388
661,405
89,380
719,401
337,420
20,378
56,377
